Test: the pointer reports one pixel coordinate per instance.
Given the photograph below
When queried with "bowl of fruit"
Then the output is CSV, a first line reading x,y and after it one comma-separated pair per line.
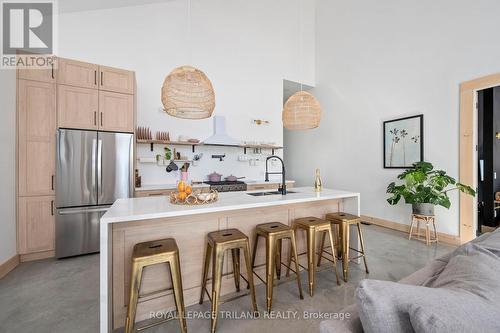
x,y
186,196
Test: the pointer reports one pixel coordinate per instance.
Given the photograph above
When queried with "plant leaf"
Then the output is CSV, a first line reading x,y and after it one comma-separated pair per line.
x,y
394,199
466,189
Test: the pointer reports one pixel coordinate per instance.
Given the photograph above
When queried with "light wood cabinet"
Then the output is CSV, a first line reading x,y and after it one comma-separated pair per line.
x,y
36,137
77,73
269,186
44,75
94,97
116,80
77,107
152,193
36,224
116,112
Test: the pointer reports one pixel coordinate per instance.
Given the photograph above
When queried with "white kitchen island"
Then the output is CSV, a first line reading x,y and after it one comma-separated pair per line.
x,y
131,221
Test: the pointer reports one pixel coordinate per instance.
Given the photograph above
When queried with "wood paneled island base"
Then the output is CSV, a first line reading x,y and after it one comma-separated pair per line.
x,y
131,221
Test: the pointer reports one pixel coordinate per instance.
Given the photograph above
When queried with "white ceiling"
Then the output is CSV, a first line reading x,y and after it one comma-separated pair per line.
x,y
68,6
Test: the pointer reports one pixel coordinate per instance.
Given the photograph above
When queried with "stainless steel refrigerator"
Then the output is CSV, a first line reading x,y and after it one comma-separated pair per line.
x,y
93,170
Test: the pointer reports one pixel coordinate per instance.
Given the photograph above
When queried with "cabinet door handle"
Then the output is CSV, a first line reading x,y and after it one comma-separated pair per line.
x,y
95,77
101,119
52,68
52,207
95,118
102,78
52,182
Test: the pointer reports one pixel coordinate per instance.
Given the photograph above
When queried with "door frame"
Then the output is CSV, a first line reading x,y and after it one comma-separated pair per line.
x,y
468,152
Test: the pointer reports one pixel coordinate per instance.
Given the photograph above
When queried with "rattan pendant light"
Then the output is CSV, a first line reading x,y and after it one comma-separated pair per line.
x,y
302,110
187,92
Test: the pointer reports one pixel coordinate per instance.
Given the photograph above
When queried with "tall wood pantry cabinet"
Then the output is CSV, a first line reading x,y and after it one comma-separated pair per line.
x,y
36,133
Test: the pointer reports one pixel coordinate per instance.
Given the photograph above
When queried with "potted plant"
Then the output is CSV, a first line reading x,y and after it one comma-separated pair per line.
x,y
424,188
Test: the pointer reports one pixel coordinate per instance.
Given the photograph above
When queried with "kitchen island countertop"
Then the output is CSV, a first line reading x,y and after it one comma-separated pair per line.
x,y
134,209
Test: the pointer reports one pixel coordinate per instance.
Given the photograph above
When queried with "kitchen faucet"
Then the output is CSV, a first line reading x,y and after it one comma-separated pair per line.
x,y
282,189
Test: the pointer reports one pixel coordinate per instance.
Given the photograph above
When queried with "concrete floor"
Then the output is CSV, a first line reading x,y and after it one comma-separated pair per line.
x,y
63,295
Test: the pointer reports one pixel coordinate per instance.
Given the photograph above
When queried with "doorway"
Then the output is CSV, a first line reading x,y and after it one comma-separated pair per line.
x,y
469,161
488,155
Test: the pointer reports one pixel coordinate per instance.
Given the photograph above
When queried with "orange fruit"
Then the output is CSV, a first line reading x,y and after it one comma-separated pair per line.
x,y
182,196
181,186
189,190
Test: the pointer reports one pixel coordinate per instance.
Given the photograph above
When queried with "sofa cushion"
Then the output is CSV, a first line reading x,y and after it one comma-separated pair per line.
x,y
464,297
423,275
346,325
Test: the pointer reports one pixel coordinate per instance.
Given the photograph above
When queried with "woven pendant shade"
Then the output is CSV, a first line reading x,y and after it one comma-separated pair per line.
x,y
302,111
188,93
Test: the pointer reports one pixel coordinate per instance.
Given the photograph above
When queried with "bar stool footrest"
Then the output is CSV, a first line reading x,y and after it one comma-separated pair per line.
x,y
156,323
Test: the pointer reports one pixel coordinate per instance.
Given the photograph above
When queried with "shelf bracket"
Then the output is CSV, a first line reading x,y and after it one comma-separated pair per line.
x,y
245,150
273,151
192,148
152,146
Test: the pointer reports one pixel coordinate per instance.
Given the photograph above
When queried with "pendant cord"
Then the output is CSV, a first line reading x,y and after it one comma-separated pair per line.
x,y
301,66
190,51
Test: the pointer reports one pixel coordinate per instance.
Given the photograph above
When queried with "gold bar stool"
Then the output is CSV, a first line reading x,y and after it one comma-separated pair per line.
x,y
219,242
312,225
152,253
427,219
344,221
274,233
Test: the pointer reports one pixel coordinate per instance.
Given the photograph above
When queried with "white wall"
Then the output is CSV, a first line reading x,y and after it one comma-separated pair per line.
x,y
8,165
386,59
245,47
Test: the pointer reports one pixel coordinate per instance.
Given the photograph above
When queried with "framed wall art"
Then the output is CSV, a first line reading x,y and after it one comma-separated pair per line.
x,y
403,142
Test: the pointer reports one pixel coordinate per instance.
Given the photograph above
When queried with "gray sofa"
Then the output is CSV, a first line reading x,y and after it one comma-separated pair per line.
x,y
459,292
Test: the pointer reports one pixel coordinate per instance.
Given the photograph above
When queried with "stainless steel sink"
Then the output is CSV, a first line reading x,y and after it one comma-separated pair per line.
x,y
260,194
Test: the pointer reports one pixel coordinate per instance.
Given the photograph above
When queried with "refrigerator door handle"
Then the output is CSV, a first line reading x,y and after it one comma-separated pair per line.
x,y
94,165
131,168
82,210
99,168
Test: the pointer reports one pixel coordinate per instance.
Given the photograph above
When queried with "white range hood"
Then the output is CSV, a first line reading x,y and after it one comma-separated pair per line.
x,y
220,136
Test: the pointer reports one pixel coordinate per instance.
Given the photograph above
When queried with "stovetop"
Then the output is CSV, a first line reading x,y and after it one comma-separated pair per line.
x,y
224,182
227,186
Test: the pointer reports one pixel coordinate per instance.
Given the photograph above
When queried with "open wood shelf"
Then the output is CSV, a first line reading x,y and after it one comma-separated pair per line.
x,y
193,145
178,143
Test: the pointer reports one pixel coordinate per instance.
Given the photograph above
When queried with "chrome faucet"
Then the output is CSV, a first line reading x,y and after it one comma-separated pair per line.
x,y
282,189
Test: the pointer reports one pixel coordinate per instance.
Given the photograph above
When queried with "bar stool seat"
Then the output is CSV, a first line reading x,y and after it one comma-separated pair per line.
x,y
152,253
275,228
344,221
274,233
311,225
226,237
218,242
